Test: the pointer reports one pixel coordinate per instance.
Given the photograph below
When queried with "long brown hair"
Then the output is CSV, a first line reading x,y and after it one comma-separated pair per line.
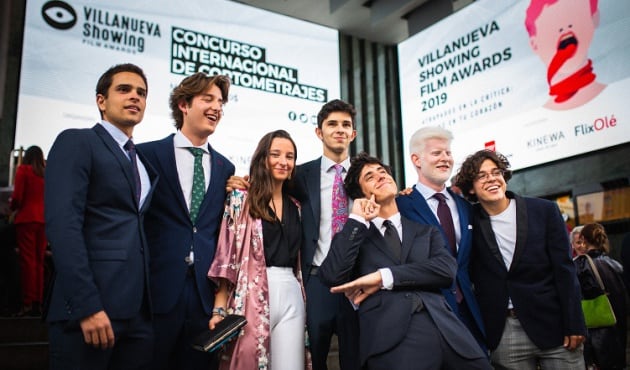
x,y
595,236
34,156
261,189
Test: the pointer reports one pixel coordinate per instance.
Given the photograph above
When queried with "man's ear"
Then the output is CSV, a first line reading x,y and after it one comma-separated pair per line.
x,y
318,132
183,106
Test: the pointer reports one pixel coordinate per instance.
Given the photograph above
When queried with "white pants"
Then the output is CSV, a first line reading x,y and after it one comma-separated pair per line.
x,y
288,317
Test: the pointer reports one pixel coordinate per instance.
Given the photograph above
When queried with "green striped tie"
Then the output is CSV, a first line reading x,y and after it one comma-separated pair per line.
x,y
199,184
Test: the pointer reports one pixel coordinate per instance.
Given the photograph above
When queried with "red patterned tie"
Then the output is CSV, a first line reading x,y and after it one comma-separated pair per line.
x,y
339,201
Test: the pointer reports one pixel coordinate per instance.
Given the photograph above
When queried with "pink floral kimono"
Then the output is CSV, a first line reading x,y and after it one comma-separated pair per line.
x,y
240,258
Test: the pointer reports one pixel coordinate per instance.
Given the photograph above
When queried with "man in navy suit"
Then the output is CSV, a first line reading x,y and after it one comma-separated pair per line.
x,y
430,149
327,313
97,191
182,245
523,273
404,320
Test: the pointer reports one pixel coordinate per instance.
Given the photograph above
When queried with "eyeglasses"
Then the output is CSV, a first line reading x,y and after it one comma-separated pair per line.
x,y
485,176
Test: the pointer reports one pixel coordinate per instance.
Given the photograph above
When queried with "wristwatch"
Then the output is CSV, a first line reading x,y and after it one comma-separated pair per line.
x,y
219,311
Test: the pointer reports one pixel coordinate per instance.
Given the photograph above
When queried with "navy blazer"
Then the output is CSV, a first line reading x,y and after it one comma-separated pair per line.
x,y
308,180
541,280
94,227
416,208
170,232
424,268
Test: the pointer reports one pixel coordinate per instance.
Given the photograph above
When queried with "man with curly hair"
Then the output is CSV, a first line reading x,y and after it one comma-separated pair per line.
x,y
522,270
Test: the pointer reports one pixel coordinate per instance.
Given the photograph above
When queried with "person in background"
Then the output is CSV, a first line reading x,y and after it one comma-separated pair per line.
x,y
183,222
257,266
430,202
577,243
98,188
604,348
522,271
393,268
27,201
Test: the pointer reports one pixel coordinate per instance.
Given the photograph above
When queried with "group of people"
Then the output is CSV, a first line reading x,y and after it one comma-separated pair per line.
x,y
156,243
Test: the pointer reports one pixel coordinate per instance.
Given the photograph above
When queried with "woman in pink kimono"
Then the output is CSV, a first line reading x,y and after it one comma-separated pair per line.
x,y
256,265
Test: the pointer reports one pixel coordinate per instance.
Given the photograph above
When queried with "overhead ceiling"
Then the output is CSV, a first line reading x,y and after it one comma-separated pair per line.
x,y
381,21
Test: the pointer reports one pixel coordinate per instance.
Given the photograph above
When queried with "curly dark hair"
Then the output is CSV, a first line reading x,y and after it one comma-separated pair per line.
x,y
595,236
335,106
261,189
470,168
351,183
192,86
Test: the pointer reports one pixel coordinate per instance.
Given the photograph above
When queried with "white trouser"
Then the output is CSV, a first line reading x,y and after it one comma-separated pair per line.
x,y
288,317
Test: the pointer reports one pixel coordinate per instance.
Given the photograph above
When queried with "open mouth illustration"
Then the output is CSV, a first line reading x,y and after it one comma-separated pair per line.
x,y
566,42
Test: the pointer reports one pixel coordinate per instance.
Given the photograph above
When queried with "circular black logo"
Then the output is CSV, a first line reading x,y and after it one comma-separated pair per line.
x,y
59,15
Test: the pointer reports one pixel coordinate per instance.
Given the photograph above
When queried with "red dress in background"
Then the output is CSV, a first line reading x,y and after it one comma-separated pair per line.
x,y
28,202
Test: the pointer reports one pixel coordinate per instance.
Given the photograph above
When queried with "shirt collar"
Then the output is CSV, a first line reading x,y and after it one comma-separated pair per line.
x,y
116,133
395,219
327,163
428,193
181,141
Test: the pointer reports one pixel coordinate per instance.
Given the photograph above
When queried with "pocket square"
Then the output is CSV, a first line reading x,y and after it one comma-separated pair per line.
x,y
469,227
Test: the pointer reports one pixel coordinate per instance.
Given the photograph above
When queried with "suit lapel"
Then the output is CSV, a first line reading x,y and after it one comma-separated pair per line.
x,y
521,229
215,189
489,239
408,236
313,185
422,208
123,160
165,154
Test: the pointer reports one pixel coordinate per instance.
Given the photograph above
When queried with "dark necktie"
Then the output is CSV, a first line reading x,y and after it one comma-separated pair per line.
x,y
392,239
199,184
339,202
446,221
130,147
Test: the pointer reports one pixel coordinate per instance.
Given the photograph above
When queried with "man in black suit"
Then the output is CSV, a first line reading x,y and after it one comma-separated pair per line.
x,y
405,322
97,191
521,266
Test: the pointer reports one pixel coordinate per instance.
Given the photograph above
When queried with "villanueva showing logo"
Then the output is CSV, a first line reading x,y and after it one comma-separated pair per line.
x,y
102,28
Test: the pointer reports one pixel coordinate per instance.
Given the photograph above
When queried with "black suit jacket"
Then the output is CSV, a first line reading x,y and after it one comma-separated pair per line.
x,y
541,280
94,227
425,267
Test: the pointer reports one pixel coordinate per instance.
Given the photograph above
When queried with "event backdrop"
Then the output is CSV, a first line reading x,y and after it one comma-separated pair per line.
x,y
481,75
282,69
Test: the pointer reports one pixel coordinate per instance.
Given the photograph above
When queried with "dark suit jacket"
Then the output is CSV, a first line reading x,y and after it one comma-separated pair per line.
x,y
170,232
94,227
424,269
541,279
415,207
308,181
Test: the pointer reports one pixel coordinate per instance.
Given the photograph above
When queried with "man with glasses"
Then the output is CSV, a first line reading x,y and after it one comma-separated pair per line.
x,y
522,270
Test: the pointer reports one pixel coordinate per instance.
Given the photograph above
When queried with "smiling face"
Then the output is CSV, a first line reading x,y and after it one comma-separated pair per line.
x,y
564,30
281,159
336,134
490,191
434,163
202,115
125,102
374,179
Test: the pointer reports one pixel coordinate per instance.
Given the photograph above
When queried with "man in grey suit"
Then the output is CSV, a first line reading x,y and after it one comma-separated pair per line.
x,y
404,320
97,192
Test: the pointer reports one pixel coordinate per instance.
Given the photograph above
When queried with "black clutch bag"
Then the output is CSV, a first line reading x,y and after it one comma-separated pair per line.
x,y
225,330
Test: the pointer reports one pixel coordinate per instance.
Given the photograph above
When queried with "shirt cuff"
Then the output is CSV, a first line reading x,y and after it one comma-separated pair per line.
x,y
360,219
387,278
